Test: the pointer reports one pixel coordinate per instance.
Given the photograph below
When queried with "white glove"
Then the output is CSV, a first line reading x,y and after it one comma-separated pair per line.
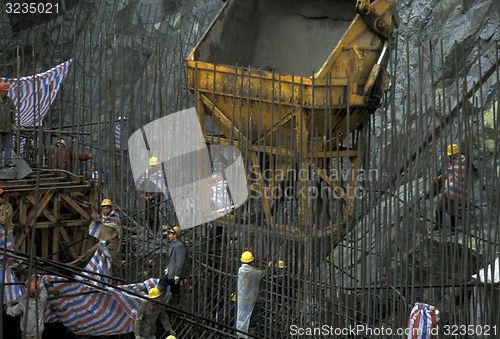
x,y
176,279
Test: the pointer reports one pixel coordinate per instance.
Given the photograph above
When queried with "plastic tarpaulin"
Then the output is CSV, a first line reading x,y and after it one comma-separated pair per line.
x,y
247,295
12,290
99,310
422,323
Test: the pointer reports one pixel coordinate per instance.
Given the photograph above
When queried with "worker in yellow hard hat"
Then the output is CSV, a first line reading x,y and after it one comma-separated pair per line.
x,y
454,193
111,231
247,257
153,191
153,161
154,293
247,294
175,271
106,227
148,314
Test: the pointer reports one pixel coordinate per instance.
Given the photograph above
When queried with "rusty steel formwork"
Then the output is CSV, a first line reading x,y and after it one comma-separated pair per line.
x,y
371,273
363,268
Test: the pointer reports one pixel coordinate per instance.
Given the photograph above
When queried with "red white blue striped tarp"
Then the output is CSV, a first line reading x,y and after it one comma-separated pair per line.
x,y
12,291
34,94
88,310
101,263
422,323
120,132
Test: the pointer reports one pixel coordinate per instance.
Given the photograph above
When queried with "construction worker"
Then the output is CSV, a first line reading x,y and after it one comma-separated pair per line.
x,y
7,124
154,193
110,233
63,157
6,217
148,314
176,260
247,292
453,194
106,227
33,322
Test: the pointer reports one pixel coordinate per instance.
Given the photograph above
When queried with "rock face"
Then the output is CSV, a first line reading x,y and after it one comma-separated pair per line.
x,y
444,48
122,50
138,45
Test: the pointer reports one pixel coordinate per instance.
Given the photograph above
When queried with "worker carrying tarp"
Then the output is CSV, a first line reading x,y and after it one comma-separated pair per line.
x,y
106,227
101,310
454,194
422,323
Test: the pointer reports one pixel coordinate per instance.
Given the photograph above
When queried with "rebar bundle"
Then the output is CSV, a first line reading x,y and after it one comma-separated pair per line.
x,y
344,224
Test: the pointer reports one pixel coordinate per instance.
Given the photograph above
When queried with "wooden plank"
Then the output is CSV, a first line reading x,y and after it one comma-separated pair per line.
x,y
22,211
68,240
45,242
43,188
41,206
73,204
70,223
21,244
78,235
45,211
58,220
49,215
55,243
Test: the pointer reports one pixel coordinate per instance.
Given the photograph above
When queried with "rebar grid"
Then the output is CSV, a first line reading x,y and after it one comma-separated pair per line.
x,y
367,267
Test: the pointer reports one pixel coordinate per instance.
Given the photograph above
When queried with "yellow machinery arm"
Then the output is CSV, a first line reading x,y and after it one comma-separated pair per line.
x,y
363,6
382,17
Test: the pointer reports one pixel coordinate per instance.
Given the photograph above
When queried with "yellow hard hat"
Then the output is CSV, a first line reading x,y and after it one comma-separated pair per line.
x,y
172,229
453,149
281,264
153,161
247,256
233,296
171,337
106,202
154,293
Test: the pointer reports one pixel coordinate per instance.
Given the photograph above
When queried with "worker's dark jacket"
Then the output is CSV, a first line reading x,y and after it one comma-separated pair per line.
x,y
145,321
7,110
176,260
